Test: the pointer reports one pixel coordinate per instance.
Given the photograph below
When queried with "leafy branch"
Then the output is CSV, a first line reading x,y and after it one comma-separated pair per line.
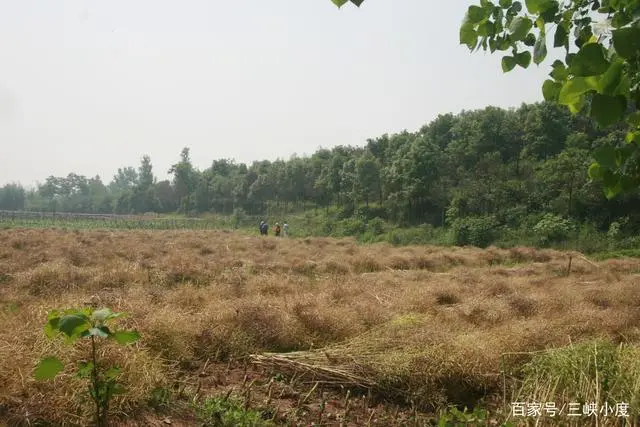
x,y
600,79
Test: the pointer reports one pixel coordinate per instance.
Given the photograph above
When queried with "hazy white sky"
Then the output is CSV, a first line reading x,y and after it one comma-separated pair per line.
x,y
88,86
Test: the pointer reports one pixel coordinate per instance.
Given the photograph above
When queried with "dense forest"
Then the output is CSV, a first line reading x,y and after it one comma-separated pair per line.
x,y
476,171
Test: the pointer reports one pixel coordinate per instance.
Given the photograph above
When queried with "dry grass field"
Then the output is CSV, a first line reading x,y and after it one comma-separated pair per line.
x,y
282,324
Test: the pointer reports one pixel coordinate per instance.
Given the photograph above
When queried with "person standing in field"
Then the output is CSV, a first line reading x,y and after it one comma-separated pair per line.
x,y
277,230
264,229
285,229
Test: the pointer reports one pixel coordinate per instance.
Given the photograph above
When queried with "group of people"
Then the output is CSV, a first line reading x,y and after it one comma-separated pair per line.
x,y
284,230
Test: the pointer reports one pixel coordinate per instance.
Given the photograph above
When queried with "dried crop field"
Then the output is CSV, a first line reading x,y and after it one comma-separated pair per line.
x,y
282,324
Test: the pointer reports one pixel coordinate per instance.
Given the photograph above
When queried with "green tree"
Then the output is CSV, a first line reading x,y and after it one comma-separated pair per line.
x,y
185,179
12,197
599,75
125,179
367,179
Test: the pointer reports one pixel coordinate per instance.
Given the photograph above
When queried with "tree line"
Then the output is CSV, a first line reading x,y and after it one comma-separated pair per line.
x,y
499,165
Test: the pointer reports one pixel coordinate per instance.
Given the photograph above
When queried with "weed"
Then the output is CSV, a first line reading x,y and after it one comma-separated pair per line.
x,y
228,412
93,325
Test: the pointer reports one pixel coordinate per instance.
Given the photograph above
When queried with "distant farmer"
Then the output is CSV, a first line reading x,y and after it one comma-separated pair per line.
x,y
264,228
277,229
285,229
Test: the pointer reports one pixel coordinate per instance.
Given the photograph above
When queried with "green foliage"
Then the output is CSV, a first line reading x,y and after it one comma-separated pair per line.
x,y
615,229
228,412
91,325
600,73
452,416
476,231
553,229
601,78
351,227
376,226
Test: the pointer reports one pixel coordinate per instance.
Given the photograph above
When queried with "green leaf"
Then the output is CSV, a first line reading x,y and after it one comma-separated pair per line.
x,y
530,40
515,8
523,59
508,63
583,34
634,119
98,332
357,2
560,72
605,156
626,41
540,50
589,61
475,14
612,185
551,8
73,324
505,3
84,369
609,177
540,6
573,90
607,110
519,28
339,3
118,389
560,37
125,337
633,137
112,373
628,183
620,19
487,29
612,191
48,368
624,87
595,172
533,5
551,90
468,35
51,328
101,315
611,79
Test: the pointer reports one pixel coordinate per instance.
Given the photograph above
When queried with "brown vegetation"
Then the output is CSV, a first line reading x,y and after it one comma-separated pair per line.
x,y
428,322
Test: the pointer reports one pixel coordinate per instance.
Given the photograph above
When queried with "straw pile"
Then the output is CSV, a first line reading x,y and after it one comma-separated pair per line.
x,y
402,360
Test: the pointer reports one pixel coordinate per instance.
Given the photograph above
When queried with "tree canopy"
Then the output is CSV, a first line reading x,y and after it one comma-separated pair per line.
x,y
599,75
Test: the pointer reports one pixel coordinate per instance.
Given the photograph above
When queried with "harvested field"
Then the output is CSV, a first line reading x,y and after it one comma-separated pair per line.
x,y
415,329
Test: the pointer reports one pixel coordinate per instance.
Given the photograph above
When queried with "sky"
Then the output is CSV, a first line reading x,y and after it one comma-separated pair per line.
x,y
88,86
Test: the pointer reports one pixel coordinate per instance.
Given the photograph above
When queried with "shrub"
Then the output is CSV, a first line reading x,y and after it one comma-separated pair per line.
x,y
476,231
238,218
376,226
351,227
553,229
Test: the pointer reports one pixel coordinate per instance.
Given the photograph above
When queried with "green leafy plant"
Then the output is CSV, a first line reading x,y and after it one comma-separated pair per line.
x,y
223,411
93,326
476,231
553,228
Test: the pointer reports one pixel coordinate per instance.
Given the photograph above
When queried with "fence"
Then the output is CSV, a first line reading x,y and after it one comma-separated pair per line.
x,y
84,220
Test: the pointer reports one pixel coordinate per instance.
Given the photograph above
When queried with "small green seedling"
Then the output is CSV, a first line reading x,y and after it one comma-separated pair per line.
x,y
92,325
